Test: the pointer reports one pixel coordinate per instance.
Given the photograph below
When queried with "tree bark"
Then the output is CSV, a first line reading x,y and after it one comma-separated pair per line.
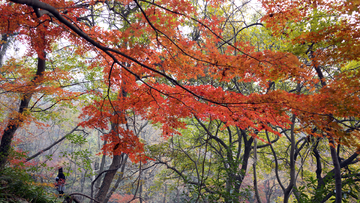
x,y
113,189
289,189
334,155
245,161
254,171
109,176
102,165
337,171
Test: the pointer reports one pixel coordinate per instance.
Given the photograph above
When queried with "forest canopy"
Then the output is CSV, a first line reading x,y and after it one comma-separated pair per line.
x,y
181,101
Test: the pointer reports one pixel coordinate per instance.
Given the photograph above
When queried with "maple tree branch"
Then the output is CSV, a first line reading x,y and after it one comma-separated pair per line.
x,y
207,27
183,177
210,134
76,193
191,159
219,152
276,163
266,145
343,164
52,145
12,126
120,165
172,41
107,50
82,34
239,133
109,81
327,197
52,105
350,160
124,16
234,36
351,175
320,180
334,156
297,152
346,182
138,183
233,13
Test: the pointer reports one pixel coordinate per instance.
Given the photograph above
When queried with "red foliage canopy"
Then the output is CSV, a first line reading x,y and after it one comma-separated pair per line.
x,y
151,65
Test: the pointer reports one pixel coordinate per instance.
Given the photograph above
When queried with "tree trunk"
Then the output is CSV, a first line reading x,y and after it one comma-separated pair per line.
x,y
334,155
337,171
102,165
113,189
254,171
14,123
289,189
238,179
109,176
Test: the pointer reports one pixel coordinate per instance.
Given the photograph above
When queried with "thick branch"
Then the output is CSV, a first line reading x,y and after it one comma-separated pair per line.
x,y
56,14
76,193
52,145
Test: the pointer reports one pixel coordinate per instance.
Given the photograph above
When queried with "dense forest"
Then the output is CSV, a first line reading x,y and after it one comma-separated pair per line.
x,y
180,101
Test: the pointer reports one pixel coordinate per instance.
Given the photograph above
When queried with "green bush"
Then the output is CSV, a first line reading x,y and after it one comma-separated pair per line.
x,y
16,186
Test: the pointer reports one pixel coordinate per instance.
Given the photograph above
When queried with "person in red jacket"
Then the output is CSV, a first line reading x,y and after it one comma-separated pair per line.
x,y
60,181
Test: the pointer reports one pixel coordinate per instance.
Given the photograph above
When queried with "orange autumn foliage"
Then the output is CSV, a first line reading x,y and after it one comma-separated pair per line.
x,y
149,67
332,45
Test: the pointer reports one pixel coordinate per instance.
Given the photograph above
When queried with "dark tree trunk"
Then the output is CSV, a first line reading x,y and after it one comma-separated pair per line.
x,y
109,176
337,171
334,156
14,123
102,165
289,189
245,161
124,158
